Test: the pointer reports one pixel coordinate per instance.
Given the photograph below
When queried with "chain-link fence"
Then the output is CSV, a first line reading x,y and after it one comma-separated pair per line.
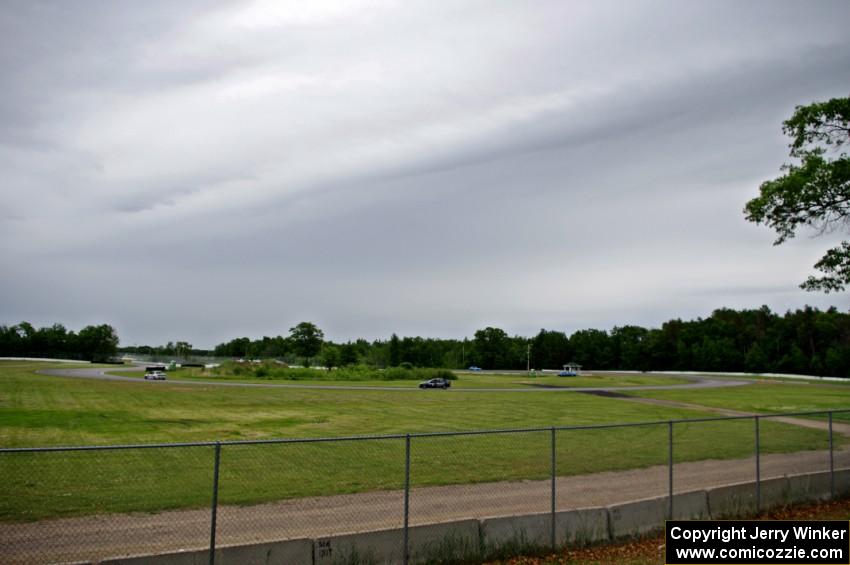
x,y
91,503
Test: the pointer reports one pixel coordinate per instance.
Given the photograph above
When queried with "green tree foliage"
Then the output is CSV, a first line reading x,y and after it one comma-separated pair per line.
x,y
550,349
23,340
592,349
755,360
244,347
306,340
330,356
802,341
348,354
490,348
237,347
629,344
269,347
93,343
182,349
394,351
97,343
814,192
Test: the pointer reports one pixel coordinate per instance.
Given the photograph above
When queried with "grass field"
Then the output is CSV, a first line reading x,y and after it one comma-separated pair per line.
x,y
38,410
767,396
41,410
466,380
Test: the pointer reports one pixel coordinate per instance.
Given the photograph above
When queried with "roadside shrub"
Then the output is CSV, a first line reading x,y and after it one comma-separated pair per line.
x,y
414,374
275,371
443,374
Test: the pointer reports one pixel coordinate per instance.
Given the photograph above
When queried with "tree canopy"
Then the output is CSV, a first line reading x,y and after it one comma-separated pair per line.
x,y
807,341
815,191
92,343
306,340
97,343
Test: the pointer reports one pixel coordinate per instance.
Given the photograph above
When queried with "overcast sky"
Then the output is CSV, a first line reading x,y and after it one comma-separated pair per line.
x,y
202,170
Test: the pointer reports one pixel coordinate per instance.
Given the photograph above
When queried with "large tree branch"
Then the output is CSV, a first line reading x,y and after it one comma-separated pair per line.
x,y
835,265
816,192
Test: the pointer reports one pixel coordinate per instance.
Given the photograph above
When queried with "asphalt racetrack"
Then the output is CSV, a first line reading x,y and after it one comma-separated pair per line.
x,y
696,382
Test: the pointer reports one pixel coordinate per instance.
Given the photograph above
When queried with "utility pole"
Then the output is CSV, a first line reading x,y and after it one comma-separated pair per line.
x,y
528,359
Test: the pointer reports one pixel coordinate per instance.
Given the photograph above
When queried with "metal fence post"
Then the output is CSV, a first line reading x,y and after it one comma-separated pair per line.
x,y
670,469
758,467
406,497
214,501
554,503
831,461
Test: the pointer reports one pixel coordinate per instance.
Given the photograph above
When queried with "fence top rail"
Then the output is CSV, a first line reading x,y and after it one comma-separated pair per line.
x,y
421,434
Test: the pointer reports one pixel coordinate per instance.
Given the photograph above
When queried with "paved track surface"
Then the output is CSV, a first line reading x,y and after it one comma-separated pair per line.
x,y
101,374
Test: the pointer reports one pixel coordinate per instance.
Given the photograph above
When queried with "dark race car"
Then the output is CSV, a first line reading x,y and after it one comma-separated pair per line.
x,y
436,383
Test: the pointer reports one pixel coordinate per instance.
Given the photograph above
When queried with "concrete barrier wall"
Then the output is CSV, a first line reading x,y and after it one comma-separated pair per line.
x,y
811,486
515,534
471,539
45,359
520,532
178,558
842,482
385,546
645,516
582,527
691,506
436,543
739,500
637,518
430,543
291,552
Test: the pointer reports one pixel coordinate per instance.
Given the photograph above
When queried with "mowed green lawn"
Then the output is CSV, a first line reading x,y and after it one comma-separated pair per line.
x,y
38,410
767,396
466,380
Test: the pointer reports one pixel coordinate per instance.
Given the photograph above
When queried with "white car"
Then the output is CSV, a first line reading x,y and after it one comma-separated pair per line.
x,y
155,376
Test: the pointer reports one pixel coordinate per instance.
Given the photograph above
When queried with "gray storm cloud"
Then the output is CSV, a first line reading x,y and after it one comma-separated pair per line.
x,y
204,170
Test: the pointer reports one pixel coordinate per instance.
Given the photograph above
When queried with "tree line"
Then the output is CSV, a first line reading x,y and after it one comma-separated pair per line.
x,y
804,341
92,343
